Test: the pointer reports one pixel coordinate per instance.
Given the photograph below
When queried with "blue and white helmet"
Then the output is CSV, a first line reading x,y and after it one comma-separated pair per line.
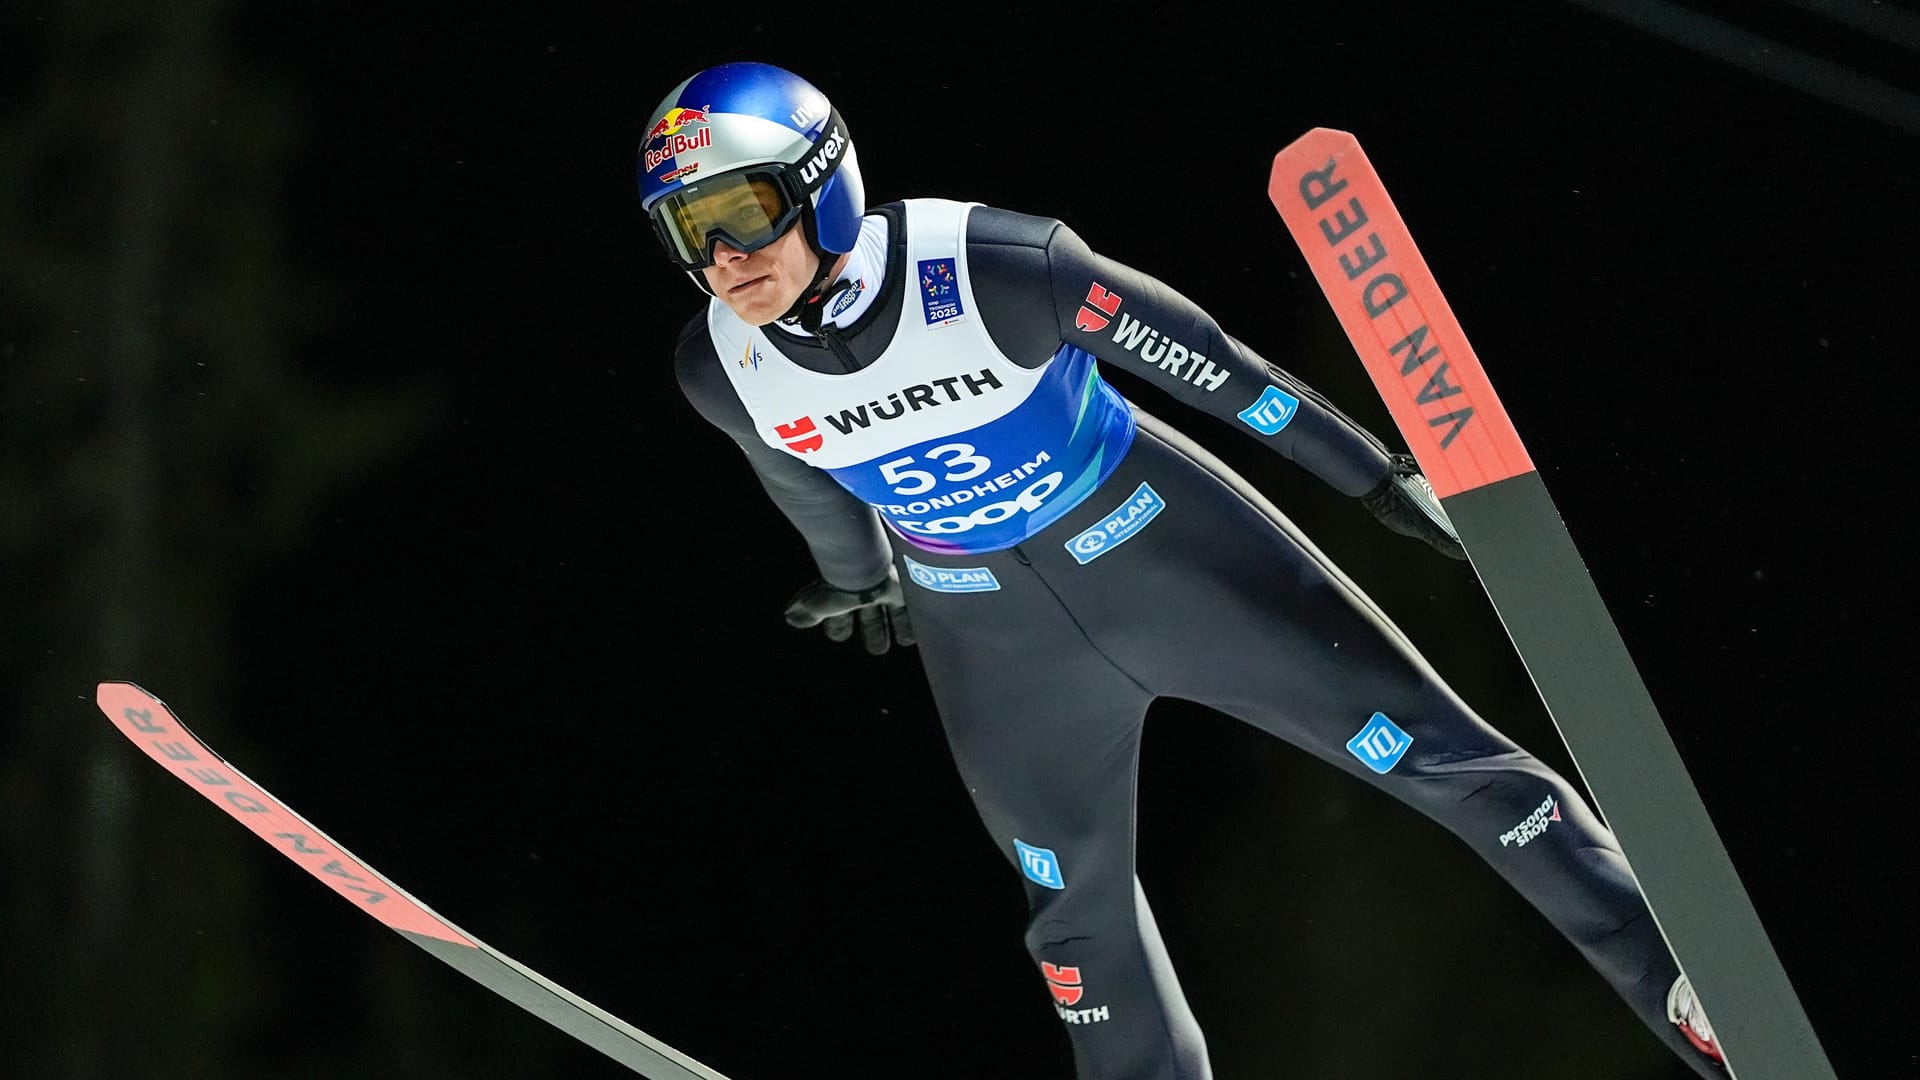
x,y
741,151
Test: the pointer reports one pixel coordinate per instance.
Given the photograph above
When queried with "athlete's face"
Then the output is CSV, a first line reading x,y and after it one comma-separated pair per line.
x,y
761,286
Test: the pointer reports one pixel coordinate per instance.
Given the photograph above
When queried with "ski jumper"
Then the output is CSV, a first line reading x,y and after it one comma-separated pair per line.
x,y
1068,558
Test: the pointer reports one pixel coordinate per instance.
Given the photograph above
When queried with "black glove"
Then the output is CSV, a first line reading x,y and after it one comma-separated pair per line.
x,y
880,611
1405,503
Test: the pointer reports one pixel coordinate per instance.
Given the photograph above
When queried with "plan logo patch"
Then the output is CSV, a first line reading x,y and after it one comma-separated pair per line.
x,y
1118,527
1380,745
1274,410
1039,865
940,292
1159,350
952,579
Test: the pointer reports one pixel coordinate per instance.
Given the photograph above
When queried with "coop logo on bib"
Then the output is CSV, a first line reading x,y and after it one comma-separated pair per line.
x,y
1029,500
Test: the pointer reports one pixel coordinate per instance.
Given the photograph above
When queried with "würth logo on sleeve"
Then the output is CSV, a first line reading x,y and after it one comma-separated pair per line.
x,y
1097,309
1064,982
801,436
1158,350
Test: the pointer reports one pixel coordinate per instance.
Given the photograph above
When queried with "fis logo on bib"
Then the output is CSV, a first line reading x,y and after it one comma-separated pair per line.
x,y
952,579
1533,824
940,292
1039,865
1118,527
1274,410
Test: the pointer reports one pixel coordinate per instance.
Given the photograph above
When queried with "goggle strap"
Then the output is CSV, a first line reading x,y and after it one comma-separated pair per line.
x,y
812,172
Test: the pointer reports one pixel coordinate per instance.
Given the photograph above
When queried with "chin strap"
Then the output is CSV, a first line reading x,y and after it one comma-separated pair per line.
x,y
805,311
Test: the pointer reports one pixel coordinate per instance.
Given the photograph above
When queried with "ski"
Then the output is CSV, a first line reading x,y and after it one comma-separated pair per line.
x,y
1353,237
155,729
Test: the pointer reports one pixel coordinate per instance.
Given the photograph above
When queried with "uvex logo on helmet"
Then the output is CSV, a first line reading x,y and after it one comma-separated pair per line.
x,y
815,166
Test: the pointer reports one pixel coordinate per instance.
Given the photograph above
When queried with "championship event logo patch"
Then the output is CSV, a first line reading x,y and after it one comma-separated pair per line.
x,y
940,292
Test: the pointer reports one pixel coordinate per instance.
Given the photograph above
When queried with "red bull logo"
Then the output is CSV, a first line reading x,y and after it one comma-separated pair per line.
x,y
678,144
674,132
674,120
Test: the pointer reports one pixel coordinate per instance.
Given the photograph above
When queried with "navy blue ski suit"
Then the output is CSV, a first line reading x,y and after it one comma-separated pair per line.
x,y
1067,558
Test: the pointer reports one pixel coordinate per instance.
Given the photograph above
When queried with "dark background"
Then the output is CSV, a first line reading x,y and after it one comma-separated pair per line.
x,y
335,409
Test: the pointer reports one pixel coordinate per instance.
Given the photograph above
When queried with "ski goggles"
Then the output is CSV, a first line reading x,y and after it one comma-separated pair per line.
x,y
748,209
